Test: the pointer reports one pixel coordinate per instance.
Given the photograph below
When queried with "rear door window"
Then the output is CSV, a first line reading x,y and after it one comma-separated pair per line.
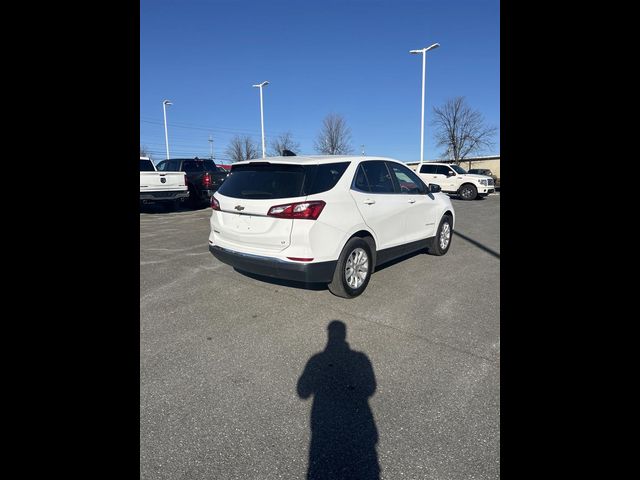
x,y
378,177
442,169
428,169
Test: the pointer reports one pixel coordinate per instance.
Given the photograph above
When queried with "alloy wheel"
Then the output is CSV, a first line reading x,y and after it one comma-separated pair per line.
x,y
356,268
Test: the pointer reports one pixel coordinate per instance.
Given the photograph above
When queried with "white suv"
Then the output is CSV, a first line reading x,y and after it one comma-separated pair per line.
x,y
326,219
454,179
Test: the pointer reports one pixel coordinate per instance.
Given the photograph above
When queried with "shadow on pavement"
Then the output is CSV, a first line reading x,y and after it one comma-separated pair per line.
x,y
399,260
343,431
477,244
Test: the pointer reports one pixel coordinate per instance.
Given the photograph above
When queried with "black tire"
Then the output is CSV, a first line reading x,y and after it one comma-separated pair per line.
x,y
194,198
434,245
468,192
339,286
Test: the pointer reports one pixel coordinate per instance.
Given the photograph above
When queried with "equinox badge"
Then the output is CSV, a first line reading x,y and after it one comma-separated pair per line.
x,y
239,207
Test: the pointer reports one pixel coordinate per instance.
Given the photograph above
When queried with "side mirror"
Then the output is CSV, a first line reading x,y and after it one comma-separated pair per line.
x,y
433,188
450,173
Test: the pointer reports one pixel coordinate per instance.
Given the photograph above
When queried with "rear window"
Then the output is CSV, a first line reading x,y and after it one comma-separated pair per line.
x,y
146,166
199,166
273,180
193,166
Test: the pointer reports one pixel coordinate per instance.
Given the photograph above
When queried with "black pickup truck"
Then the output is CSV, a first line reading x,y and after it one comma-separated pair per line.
x,y
203,176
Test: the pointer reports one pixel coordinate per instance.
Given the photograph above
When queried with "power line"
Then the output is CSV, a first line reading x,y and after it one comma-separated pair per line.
x,y
192,126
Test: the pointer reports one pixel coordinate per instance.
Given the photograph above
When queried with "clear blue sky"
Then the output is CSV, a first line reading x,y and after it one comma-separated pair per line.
x,y
349,57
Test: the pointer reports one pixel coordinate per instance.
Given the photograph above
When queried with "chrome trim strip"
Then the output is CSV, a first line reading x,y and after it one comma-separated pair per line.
x,y
235,212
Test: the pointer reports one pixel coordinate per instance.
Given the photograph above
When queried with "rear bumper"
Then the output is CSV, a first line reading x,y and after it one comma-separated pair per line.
x,y
321,272
164,195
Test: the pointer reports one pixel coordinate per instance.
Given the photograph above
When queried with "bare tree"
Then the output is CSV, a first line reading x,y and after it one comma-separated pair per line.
x,y
283,142
242,147
334,137
461,130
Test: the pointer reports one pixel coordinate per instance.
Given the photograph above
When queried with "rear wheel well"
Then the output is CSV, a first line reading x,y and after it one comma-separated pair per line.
x,y
367,237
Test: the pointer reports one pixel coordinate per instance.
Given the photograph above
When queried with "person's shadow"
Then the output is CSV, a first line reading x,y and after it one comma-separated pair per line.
x,y
343,431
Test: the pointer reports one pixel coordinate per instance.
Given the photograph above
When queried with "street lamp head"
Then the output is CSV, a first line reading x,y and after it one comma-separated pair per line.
x,y
167,102
426,49
262,84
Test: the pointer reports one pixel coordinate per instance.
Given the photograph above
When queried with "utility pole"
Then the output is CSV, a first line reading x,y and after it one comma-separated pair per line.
x,y
211,144
362,149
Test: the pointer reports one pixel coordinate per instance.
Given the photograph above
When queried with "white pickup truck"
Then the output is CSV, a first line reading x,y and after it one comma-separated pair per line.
x,y
167,188
455,180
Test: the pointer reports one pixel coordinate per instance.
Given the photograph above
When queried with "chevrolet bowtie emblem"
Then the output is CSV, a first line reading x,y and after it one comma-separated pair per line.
x,y
239,207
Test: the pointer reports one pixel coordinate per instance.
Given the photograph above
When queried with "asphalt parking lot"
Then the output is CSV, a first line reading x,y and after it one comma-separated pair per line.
x,y
222,356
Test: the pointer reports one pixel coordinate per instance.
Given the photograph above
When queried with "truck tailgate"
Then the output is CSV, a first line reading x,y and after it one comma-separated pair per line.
x,y
159,181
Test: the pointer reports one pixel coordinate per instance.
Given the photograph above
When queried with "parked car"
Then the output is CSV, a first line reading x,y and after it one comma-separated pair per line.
x,y
326,219
203,176
454,179
166,188
487,172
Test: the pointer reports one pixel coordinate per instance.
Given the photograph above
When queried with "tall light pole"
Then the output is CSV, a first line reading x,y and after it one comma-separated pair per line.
x,y
166,135
260,85
423,51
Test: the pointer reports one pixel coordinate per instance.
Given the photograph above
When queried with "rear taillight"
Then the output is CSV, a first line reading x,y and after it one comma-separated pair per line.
x,y
214,203
206,180
303,210
185,179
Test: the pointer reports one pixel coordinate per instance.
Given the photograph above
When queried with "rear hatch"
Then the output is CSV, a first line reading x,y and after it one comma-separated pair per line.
x,y
246,197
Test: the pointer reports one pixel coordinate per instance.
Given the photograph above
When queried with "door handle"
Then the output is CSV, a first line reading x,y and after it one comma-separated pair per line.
x,y
368,201
413,200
